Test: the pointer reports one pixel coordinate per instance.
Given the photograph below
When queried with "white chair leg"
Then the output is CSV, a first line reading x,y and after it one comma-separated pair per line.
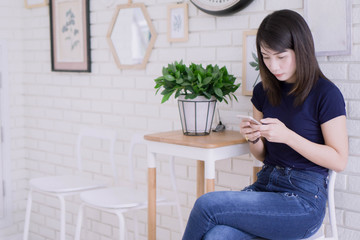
x,y
62,217
79,222
122,229
136,225
180,217
174,185
27,215
331,204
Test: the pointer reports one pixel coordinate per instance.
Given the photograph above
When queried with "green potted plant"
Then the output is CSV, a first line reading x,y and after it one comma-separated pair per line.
x,y
197,89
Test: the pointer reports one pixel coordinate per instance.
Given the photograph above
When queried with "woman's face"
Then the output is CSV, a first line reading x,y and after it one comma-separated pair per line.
x,y
281,64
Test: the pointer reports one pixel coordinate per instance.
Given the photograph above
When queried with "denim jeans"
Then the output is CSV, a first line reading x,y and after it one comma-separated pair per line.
x,y
283,203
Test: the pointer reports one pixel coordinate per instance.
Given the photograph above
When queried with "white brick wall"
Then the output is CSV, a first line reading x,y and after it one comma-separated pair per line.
x,y
47,109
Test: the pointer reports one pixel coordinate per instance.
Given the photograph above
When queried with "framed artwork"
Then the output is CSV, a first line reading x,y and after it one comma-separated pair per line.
x,y
35,3
333,35
70,35
178,26
250,63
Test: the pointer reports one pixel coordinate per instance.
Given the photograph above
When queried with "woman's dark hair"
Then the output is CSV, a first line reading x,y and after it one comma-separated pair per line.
x,y
279,31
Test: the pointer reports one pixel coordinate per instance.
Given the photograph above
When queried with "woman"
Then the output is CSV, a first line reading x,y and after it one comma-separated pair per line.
x,y
302,135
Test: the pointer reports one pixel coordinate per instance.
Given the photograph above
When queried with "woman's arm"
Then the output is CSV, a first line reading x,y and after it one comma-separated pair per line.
x,y
247,130
333,154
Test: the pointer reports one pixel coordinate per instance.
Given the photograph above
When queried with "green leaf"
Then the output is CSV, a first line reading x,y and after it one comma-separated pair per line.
x,y
159,79
179,81
164,71
207,80
219,85
194,89
172,68
158,85
191,96
255,57
166,97
218,92
169,77
218,98
166,91
207,95
199,78
177,94
253,64
177,74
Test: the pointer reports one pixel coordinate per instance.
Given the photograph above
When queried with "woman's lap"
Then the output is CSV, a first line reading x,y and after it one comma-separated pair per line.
x,y
250,212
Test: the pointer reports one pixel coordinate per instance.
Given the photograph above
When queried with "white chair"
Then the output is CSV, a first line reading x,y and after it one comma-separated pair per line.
x,y
61,186
320,234
119,200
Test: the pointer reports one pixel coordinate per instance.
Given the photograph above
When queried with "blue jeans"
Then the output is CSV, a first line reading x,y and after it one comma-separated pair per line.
x,y
283,203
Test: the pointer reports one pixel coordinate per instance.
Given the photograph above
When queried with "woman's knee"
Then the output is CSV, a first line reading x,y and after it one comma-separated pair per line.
x,y
215,233
205,201
226,232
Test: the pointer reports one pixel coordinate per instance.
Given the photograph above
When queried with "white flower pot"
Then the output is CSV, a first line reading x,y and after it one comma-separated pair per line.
x,y
196,115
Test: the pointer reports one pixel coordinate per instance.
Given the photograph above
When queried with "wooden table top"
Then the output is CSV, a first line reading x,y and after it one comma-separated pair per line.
x,y
213,140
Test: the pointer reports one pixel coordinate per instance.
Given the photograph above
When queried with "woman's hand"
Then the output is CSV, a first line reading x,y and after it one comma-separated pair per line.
x,y
273,130
248,130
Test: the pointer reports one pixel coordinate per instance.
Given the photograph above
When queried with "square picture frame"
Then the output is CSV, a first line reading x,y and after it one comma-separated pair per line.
x,y
35,3
333,36
250,65
70,35
178,22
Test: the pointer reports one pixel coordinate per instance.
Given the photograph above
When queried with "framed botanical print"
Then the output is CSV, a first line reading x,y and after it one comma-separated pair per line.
x,y
178,25
70,35
250,63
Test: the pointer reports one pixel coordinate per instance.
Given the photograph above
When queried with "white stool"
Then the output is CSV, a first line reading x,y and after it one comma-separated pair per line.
x,y
119,200
61,186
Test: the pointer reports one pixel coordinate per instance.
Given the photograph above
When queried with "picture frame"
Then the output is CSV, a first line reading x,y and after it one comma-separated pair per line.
x,y
250,68
333,36
120,36
70,35
35,3
178,22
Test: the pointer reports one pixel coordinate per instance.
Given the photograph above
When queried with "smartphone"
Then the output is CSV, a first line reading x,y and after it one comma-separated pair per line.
x,y
251,119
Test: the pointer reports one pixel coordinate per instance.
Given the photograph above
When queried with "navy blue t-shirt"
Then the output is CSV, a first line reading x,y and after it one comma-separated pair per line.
x,y
323,103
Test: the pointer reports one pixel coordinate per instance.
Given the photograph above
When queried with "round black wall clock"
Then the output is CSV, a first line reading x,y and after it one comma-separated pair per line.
x,y
221,7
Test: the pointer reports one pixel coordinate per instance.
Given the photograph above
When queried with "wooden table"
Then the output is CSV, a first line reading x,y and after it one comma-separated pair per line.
x,y
205,149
